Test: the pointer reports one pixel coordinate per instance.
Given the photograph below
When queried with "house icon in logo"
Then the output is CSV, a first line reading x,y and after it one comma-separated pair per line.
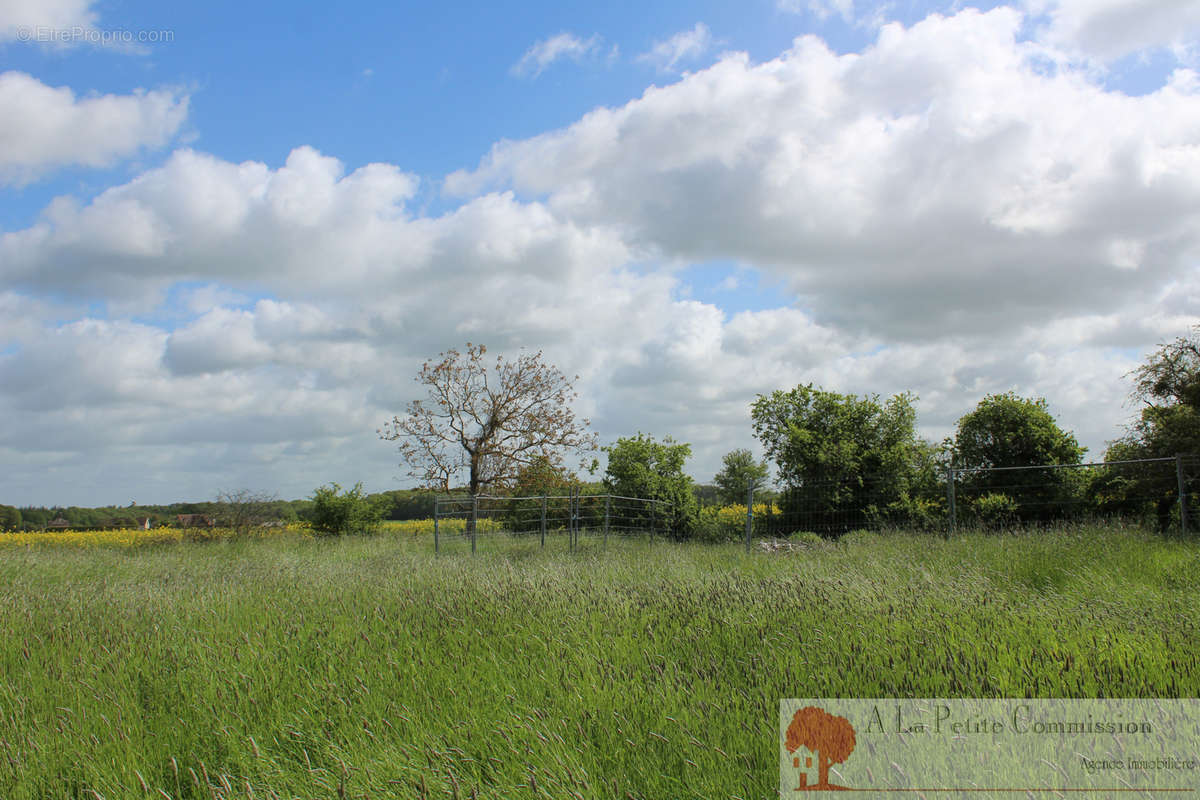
x,y
816,740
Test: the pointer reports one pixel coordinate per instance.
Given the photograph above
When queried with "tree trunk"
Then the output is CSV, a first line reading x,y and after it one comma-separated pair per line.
x,y
473,486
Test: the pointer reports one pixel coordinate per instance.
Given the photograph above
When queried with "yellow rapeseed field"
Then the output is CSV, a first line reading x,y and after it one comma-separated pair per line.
x,y
736,513
424,527
728,516
137,537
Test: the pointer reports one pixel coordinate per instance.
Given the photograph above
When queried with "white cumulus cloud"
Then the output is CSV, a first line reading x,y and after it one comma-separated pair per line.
x,y
20,19
1108,29
43,128
939,180
949,218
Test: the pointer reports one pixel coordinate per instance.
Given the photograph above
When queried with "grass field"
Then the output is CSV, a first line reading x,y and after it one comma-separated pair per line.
x,y
366,667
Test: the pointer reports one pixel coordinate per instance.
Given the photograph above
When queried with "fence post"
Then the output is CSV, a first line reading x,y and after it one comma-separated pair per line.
x,y
607,505
950,498
435,526
749,511
474,520
543,522
653,518
1182,495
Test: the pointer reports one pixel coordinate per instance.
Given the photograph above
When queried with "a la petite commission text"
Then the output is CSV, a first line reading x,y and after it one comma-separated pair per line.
x,y
940,719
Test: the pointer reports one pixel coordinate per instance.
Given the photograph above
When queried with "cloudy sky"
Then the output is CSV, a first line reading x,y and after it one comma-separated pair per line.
x,y
231,233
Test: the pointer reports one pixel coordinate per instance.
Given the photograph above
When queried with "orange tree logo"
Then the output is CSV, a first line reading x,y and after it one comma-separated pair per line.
x,y
830,738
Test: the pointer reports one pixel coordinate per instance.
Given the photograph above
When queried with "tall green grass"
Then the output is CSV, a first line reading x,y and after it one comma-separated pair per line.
x,y
368,667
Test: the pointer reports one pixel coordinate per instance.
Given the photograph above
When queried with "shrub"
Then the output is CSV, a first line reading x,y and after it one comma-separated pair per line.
x,y
996,510
910,512
808,539
720,524
728,523
859,538
336,512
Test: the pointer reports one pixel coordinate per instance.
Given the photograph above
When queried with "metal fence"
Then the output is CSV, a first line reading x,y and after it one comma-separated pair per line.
x,y
561,519
1154,493
1150,492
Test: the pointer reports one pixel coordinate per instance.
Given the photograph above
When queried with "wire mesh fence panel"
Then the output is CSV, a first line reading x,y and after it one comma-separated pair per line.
x,y
561,521
1189,486
1153,493
631,516
1144,492
832,506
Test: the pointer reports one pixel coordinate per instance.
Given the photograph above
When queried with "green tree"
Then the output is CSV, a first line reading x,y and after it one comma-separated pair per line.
x,y
1009,431
1005,430
10,518
35,518
639,466
843,459
405,503
532,481
540,476
1168,387
335,512
738,469
1171,376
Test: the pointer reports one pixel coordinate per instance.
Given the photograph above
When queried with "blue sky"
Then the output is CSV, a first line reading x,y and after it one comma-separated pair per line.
x,y
428,88
285,210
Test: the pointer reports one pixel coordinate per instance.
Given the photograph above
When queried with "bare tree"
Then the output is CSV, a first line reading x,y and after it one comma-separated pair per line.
x,y
487,423
243,509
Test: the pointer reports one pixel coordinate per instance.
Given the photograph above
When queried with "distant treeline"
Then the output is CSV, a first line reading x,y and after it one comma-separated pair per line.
x,y
399,504
37,518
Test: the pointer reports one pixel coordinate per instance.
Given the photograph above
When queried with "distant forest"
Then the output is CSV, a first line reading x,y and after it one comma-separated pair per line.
x,y
399,504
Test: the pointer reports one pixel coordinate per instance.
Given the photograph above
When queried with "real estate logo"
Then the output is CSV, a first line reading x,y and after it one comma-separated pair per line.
x,y
815,733
990,747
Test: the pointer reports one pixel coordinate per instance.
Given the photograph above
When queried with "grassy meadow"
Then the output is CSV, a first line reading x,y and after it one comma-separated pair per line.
x,y
287,666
